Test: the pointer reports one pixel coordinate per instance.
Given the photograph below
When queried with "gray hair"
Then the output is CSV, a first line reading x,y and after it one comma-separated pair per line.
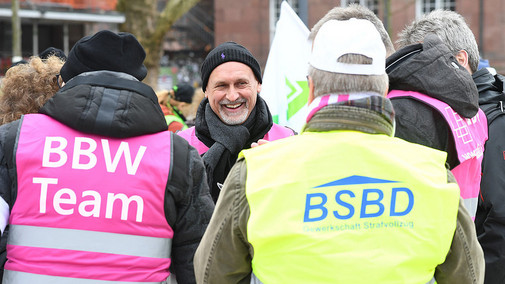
x,y
450,27
358,12
337,83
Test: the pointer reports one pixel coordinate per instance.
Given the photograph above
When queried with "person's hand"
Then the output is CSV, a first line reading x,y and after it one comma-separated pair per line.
x,y
260,142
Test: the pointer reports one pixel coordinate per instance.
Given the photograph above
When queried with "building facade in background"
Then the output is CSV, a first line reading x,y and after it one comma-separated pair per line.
x,y
253,24
56,23
60,23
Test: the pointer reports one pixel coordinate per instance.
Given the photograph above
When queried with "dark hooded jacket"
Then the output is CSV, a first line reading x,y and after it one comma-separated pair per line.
x,y
490,217
431,69
117,105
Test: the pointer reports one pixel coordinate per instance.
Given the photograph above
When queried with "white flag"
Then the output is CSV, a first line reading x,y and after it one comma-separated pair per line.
x,y
285,87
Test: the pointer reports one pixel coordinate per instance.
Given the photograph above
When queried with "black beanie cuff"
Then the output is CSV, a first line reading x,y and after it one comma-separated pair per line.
x,y
226,52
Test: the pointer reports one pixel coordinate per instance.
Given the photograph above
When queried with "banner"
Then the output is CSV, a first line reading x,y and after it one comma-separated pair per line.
x,y
285,87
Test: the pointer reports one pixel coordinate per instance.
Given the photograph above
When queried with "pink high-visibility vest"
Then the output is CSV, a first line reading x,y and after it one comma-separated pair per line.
x,y
88,207
275,133
470,135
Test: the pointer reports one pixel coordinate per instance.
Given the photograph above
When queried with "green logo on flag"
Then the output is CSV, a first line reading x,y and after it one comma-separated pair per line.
x,y
301,96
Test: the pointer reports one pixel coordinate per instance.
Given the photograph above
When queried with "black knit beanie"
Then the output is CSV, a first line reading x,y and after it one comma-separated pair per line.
x,y
225,52
183,93
53,51
106,50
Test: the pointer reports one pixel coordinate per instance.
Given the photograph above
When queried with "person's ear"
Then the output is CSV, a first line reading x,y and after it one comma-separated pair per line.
x,y
462,57
311,89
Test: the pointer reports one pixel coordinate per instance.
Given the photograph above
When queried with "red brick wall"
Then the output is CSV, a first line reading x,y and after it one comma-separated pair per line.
x,y
402,12
318,8
245,22
493,47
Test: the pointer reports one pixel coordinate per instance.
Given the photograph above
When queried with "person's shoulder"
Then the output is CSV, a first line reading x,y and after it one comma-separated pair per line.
x,y
278,131
187,133
499,78
11,126
190,136
407,105
178,139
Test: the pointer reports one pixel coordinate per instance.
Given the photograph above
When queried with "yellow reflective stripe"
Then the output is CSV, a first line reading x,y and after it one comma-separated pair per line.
x,y
255,280
18,277
81,240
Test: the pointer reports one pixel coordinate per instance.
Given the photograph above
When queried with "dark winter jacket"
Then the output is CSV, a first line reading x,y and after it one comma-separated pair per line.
x,y
118,105
490,218
431,69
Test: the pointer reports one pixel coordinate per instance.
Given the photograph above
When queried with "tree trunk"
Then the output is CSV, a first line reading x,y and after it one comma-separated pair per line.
x,y
16,32
150,26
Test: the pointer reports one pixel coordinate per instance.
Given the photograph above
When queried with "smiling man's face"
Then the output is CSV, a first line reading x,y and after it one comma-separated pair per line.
x,y
232,92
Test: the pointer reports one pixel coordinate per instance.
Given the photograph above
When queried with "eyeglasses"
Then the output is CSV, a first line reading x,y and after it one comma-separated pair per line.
x,y
58,76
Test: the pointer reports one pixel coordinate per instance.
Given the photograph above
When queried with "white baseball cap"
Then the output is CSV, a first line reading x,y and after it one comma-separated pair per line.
x,y
356,36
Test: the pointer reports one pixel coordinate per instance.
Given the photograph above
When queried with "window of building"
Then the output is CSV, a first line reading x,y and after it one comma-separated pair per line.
x,y
277,7
426,6
373,5
275,10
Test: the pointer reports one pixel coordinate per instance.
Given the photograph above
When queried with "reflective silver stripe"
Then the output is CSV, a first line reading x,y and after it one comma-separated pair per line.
x,y
471,205
18,277
432,281
171,279
255,280
101,242
4,214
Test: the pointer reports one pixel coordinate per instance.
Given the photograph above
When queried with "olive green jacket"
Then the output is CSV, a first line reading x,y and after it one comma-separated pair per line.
x,y
224,254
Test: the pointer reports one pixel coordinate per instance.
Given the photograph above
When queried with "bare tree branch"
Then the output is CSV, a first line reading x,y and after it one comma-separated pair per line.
x,y
150,27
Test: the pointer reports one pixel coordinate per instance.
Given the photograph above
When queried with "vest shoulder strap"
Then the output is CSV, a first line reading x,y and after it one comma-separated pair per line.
x,y
178,176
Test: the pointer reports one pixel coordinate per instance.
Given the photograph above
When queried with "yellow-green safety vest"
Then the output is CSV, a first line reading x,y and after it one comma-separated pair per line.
x,y
173,117
348,207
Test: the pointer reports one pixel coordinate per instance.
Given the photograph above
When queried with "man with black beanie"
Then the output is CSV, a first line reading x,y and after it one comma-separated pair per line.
x,y
233,115
93,188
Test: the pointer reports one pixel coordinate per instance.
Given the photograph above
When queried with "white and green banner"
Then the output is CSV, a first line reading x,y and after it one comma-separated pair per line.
x,y
284,85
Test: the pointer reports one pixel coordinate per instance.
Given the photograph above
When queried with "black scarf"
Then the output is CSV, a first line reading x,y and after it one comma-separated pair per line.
x,y
226,141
